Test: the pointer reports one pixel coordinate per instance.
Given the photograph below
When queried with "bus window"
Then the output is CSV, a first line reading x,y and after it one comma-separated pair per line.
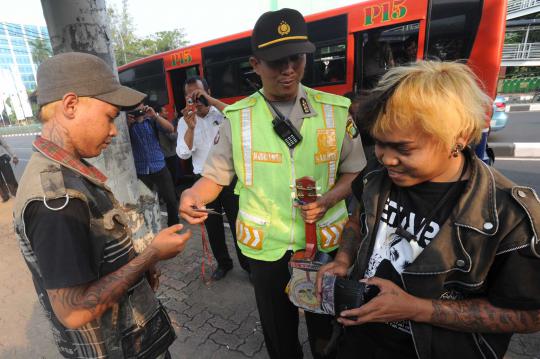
x,y
452,28
148,78
225,66
379,50
328,64
178,79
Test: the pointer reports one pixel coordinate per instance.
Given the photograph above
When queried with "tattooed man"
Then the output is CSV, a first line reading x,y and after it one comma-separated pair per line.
x,y
73,234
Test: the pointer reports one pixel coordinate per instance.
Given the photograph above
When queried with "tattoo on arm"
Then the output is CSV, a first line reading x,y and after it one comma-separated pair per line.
x,y
478,315
103,293
349,242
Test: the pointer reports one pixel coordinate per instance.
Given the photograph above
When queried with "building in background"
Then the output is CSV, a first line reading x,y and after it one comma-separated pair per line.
x,y
18,67
16,49
520,67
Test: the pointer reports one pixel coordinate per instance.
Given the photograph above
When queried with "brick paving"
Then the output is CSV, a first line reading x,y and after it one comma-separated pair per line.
x,y
216,320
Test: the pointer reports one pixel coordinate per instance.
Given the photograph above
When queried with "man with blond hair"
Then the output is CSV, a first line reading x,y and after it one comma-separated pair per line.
x,y
74,236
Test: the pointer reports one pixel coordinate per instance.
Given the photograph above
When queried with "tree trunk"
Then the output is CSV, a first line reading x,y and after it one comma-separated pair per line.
x,y
81,26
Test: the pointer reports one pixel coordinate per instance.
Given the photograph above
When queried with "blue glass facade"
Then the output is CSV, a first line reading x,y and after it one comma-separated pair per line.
x,y
16,50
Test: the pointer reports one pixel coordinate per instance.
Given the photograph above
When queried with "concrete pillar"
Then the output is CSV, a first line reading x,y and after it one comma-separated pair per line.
x,y
81,25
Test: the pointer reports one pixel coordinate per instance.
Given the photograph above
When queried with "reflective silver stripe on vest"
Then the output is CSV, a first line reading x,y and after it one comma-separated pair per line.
x,y
328,112
246,146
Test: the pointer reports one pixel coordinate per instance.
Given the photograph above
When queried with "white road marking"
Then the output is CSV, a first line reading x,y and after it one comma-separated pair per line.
x,y
516,159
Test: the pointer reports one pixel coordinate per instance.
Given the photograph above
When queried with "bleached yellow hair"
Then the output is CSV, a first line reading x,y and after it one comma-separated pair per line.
x,y
47,111
442,100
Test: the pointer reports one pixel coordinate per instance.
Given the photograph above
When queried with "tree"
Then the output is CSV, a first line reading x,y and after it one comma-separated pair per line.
x,y
169,40
41,50
130,47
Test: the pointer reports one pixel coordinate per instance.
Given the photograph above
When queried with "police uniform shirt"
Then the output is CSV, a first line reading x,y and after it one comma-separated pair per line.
x,y
219,166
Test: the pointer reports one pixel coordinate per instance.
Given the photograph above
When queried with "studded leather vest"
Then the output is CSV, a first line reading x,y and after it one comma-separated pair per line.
x,y
137,326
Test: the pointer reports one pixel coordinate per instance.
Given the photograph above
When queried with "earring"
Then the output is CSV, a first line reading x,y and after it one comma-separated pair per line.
x,y
457,149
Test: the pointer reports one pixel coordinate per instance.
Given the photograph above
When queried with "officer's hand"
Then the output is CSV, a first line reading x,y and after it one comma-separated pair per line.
x,y
15,160
337,268
169,243
190,118
188,202
314,211
390,305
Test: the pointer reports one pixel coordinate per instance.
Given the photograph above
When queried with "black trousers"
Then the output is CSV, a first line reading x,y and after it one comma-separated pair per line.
x,y
279,317
161,182
8,183
226,202
173,165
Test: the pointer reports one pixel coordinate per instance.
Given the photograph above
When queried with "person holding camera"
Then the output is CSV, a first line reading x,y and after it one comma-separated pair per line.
x,y
144,124
8,182
198,131
448,246
75,237
268,153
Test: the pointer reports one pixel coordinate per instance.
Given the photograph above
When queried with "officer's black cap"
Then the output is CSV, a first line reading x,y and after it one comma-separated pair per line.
x,y
279,34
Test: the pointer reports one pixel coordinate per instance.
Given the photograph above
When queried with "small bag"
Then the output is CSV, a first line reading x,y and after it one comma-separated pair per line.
x,y
141,343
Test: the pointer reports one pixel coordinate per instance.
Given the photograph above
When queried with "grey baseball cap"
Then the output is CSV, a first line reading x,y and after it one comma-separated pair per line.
x,y
84,75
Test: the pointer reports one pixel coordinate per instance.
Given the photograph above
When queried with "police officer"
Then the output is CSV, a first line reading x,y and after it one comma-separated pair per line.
x,y
74,236
270,225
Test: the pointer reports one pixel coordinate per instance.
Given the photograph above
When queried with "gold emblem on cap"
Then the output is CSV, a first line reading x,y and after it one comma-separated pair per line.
x,y
283,28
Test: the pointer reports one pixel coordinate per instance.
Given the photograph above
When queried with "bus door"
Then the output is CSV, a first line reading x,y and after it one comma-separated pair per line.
x,y
377,50
178,78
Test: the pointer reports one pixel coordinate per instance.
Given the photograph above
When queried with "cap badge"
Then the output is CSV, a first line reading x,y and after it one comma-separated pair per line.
x,y
283,28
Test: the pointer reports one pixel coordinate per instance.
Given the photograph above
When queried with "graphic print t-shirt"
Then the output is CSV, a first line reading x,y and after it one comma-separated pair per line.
x,y
411,207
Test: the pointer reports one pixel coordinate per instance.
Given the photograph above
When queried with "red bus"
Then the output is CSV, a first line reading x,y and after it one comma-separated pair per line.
x,y
355,45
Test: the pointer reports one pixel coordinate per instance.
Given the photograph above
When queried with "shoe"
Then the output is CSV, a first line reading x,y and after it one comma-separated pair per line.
x,y
220,273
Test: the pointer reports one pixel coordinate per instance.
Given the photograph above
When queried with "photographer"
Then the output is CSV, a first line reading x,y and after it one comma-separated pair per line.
x,y
144,124
198,131
8,183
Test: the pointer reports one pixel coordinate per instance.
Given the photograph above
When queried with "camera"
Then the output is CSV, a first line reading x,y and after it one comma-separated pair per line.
x,y
203,100
136,113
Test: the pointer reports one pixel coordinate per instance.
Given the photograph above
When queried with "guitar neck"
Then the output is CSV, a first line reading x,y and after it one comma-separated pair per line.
x,y
311,240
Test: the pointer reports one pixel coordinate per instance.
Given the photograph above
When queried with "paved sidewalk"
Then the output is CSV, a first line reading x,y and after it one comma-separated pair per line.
x,y
218,320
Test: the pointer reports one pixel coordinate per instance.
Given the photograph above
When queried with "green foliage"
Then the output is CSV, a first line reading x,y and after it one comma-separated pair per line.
x,y
129,47
41,50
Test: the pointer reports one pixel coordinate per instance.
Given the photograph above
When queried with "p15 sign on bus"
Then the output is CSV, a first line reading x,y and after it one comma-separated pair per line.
x,y
383,12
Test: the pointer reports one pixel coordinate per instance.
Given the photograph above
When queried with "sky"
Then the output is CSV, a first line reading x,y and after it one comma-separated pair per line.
x,y
201,20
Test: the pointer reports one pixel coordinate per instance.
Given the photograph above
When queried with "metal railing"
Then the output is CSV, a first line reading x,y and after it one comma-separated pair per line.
x,y
518,5
523,51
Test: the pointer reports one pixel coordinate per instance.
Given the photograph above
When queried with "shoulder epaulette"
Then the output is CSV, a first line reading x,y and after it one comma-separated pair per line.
x,y
329,98
243,103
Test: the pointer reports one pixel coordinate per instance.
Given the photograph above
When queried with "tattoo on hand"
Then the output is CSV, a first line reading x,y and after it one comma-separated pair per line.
x,y
478,315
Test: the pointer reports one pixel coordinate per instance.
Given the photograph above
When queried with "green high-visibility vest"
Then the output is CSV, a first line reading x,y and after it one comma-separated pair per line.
x,y
268,224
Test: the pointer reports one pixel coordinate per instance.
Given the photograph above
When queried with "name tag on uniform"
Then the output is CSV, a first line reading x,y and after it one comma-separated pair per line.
x,y
267,157
326,145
